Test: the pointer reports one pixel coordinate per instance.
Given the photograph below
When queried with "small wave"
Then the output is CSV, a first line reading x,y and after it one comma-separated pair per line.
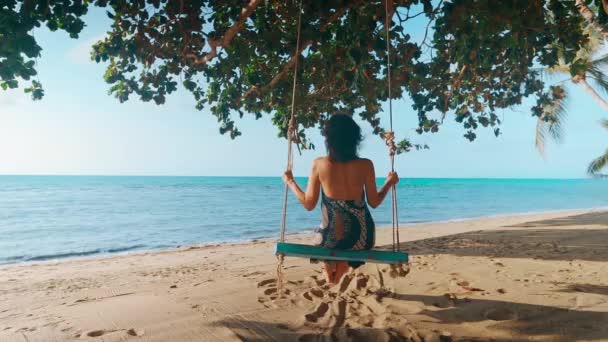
x,y
124,249
13,259
62,255
45,257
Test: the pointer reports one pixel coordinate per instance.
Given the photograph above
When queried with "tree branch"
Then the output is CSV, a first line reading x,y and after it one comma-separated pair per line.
x,y
228,36
428,25
292,60
455,85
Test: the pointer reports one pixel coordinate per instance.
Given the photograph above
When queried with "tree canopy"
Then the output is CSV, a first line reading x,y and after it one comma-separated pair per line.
x,y
236,57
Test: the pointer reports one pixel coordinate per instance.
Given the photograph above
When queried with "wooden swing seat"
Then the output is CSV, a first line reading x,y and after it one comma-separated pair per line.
x,y
322,253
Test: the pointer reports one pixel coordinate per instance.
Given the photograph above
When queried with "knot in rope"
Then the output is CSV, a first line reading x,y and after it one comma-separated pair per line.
x,y
389,139
291,130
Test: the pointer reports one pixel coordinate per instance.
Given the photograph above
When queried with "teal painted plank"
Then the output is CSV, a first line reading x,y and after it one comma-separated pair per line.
x,y
315,252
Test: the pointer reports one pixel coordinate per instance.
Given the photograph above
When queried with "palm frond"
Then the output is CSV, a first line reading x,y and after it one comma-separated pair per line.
x,y
598,164
541,132
600,62
604,123
599,78
595,41
557,115
551,123
549,74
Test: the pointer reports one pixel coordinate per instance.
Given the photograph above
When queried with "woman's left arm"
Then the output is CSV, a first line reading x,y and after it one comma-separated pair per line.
x,y
309,198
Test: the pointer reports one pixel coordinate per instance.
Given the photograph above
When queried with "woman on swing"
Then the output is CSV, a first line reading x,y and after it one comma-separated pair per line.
x,y
344,181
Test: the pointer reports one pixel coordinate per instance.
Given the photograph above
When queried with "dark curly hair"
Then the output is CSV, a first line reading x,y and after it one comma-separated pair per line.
x,y
342,137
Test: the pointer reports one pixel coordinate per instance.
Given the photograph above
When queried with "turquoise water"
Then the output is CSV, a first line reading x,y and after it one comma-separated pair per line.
x,y
51,217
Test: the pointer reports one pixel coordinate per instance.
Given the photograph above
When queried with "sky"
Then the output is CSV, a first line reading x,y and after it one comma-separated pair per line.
x,y
78,129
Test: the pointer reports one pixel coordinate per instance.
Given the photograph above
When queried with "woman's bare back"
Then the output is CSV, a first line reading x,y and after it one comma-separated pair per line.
x,y
343,181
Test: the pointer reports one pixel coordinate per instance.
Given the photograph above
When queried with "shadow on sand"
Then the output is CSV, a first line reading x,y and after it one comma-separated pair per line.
x,y
597,218
586,288
525,319
534,321
257,331
589,241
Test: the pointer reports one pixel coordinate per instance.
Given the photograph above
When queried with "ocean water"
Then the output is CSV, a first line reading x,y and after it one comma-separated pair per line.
x,y
52,217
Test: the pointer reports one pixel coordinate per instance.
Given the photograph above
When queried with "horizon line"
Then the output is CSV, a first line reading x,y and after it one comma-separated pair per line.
x,y
272,176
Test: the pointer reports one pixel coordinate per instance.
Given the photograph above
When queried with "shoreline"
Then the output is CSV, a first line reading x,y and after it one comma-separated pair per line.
x,y
504,215
535,276
299,235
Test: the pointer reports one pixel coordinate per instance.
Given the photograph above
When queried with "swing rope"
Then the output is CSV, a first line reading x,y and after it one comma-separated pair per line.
x,y
291,125
389,136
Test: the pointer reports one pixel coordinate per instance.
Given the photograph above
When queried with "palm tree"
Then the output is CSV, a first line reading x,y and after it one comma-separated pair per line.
x,y
588,13
551,122
600,162
584,67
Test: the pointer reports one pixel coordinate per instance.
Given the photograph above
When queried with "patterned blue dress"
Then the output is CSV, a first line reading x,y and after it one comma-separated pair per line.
x,y
354,219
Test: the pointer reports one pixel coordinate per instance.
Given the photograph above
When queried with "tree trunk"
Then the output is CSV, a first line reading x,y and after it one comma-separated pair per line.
x,y
591,92
588,14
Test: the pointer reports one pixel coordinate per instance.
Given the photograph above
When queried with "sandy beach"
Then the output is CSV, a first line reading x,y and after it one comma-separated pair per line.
x,y
525,277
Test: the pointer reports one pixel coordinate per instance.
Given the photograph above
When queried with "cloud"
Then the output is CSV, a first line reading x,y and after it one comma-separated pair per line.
x,y
81,52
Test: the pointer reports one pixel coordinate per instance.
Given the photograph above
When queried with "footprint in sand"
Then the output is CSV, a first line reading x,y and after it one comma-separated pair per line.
x,y
344,282
96,333
313,294
356,299
463,283
401,270
317,292
307,296
252,274
467,286
135,332
316,281
339,312
271,290
266,282
319,312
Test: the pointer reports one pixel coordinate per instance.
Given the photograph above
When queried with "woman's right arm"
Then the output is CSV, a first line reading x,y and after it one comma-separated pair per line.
x,y
375,197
